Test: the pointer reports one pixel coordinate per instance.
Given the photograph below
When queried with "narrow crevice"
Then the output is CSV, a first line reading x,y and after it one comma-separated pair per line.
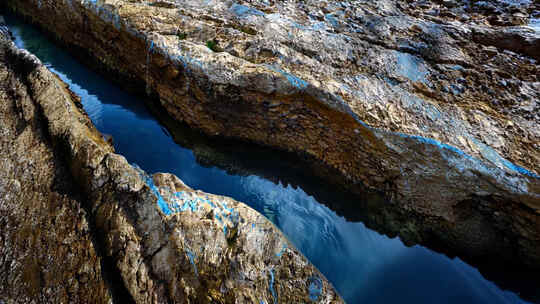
x,y
108,263
109,271
64,184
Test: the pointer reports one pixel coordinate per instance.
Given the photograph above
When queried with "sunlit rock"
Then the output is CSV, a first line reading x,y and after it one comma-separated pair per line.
x,y
162,241
434,104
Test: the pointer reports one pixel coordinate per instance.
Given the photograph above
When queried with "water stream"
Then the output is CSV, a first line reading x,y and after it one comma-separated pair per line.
x,y
364,266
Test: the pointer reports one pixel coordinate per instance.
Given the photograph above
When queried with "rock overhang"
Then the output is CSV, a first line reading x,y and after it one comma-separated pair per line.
x,y
439,129
133,213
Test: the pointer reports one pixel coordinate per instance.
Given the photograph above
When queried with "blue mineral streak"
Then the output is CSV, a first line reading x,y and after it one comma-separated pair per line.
x,y
317,26
283,247
486,151
125,116
331,19
182,201
457,67
163,206
293,80
186,61
244,11
435,143
271,285
406,63
191,257
315,288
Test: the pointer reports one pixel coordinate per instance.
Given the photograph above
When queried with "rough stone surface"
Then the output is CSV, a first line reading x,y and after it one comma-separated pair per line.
x,y
169,243
435,103
47,254
478,235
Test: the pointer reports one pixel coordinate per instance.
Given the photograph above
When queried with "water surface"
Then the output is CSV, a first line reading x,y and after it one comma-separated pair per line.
x,y
364,266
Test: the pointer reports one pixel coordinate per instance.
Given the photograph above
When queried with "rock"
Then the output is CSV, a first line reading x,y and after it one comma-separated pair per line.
x,y
518,40
449,3
109,139
47,251
165,242
491,51
377,105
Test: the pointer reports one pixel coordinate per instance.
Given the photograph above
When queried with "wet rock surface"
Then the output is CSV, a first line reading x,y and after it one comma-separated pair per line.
x,y
431,102
167,242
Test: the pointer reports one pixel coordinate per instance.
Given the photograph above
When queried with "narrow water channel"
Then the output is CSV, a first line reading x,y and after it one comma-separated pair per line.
x,y
364,266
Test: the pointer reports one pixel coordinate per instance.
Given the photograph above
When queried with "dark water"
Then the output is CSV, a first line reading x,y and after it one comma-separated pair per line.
x,y
365,266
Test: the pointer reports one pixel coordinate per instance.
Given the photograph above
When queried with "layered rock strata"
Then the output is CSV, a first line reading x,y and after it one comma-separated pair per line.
x,y
47,252
62,182
434,103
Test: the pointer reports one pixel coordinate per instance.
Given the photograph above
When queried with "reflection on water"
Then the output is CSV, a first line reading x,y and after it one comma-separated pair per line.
x,y
365,266
534,23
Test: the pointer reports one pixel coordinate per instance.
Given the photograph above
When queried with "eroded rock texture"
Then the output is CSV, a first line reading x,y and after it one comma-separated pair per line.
x,y
434,103
46,250
168,243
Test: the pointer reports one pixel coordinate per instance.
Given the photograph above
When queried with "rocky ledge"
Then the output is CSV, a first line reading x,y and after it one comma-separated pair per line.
x,y
433,103
80,224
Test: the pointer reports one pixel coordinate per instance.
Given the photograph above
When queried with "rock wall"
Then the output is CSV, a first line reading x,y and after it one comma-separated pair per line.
x,y
47,251
167,242
474,236
433,103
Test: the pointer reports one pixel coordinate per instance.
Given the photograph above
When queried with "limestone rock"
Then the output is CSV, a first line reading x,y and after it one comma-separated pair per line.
x,y
167,242
47,251
398,97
